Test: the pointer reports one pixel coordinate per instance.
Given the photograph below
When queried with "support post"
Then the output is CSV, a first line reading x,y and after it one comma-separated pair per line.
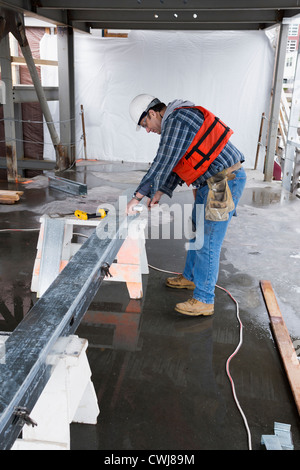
x,y
65,49
15,72
275,108
19,137
292,142
8,111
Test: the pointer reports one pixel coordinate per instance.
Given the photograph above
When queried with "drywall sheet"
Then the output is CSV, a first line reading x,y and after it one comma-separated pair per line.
x,y
228,72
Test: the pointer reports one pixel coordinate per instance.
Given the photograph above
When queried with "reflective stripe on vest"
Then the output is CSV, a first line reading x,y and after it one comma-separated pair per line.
x,y
207,144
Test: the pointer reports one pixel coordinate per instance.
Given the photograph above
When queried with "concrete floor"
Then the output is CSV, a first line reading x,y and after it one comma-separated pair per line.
x,y
160,378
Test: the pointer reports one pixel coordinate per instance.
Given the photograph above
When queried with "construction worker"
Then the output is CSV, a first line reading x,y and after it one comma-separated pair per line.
x,y
194,148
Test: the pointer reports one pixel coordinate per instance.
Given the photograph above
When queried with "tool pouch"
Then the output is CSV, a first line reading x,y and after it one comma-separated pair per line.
x,y
219,200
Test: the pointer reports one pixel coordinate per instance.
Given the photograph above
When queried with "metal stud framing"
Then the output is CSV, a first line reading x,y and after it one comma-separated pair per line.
x,y
23,359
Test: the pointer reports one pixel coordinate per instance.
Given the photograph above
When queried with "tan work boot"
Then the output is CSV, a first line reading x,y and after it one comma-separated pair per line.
x,y
194,308
180,282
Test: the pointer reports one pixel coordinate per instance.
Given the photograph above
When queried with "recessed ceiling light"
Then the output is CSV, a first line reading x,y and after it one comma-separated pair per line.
x,y
195,15
175,14
155,16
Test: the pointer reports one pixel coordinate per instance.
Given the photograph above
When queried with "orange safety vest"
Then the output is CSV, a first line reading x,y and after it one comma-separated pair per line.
x,y
207,144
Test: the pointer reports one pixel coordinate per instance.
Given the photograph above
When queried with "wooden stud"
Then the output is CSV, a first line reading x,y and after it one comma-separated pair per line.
x,y
284,342
21,61
83,130
114,35
9,197
259,140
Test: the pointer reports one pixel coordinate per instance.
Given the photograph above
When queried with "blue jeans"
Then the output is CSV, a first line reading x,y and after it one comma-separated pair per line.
x,y
202,265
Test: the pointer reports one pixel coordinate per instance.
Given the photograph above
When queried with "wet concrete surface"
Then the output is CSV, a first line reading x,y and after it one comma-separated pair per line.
x,y
160,378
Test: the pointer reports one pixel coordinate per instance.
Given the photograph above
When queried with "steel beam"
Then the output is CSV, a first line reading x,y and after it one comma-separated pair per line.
x,y
142,15
59,16
229,14
27,94
57,314
176,26
148,4
31,164
65,49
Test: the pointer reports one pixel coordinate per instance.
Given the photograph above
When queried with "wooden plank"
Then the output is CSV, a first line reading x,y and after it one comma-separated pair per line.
x,y
21,61
6,200
283,340
7,192
107,34
9,197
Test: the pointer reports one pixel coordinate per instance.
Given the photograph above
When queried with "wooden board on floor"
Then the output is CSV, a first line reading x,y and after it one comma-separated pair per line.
x,y
9,197
283,340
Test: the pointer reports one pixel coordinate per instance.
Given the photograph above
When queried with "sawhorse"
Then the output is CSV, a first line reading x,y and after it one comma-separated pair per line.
x,y
68,397
55,248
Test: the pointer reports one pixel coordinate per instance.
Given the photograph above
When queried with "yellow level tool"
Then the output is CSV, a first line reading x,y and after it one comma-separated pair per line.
x,y
85,216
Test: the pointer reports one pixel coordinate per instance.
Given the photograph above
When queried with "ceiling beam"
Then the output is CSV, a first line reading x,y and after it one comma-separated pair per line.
x,y
163,4
151,5
157,14
24,6
57,18
181,26
195,16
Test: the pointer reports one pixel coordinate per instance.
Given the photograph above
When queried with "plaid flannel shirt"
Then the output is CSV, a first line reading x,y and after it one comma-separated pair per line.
x,y
177,133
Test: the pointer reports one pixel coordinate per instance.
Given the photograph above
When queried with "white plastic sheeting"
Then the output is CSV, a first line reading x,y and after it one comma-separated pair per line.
x,y
228,72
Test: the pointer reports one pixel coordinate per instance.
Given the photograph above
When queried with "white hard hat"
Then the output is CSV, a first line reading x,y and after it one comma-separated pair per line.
x,y
140,105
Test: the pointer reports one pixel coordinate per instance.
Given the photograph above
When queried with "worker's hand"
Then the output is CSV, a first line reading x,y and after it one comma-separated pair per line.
x,y
155,200
130,207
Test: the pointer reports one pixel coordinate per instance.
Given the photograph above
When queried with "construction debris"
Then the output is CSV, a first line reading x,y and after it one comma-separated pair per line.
x,y
280,440
9,197
68,186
